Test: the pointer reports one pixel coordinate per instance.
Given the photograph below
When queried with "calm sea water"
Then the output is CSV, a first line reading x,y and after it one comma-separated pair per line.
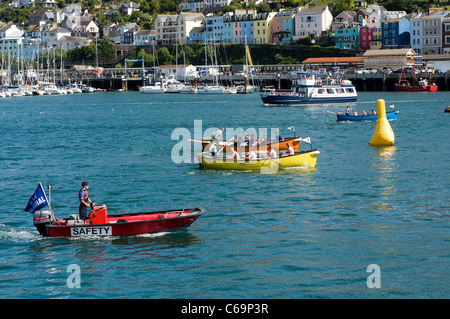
x,y
294,234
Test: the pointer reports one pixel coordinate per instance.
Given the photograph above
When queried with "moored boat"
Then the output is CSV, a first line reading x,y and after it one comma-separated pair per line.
x,y
311,90
392,115
152,89
422,86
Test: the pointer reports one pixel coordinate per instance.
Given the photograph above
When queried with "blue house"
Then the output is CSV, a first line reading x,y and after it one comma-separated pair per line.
x,y
197,35
347,36
395,33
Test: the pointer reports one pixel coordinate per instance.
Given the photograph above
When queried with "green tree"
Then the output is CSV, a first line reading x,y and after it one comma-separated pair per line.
x,y
115,17
263,7
343,5
106,50
164,56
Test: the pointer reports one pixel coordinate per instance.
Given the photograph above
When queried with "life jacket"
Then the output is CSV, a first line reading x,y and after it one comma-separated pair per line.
x,y
86,196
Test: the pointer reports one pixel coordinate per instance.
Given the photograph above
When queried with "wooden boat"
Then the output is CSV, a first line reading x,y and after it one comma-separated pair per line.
x,y
304,159
281,146
392,115
100,224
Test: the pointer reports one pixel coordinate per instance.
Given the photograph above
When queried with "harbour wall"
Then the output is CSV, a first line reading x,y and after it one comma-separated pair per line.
x,y
362,82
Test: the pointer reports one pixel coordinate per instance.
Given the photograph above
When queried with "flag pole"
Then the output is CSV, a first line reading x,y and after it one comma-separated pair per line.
x,y
50,187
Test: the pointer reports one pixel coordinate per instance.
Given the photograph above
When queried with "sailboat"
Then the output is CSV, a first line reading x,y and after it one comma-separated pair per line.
x,y
215,88
187,89
155,88
246,88
97,69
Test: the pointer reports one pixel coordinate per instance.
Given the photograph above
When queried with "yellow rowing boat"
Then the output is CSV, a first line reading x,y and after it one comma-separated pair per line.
x,y
305,159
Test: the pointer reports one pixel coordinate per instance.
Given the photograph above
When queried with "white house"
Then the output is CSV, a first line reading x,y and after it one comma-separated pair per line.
x,y
126,28
80,26
11,38
71,42
312,21
201,5
175,28
48,3
416,33
54,35
144,37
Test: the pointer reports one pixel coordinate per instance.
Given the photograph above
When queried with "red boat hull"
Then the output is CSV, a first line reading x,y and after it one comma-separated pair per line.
x,y
428,88
125,225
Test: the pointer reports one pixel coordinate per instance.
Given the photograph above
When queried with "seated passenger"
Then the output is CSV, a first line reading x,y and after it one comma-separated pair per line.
x,y
251,155
291,150
271,153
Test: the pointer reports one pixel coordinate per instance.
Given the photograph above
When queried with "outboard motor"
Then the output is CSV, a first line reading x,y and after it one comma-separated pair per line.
x,y
41,219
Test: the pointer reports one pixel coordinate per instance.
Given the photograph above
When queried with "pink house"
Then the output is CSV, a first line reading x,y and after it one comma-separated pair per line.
x,y
345,17
282,27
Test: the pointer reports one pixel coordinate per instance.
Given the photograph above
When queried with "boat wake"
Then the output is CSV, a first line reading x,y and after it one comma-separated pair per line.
x,y
19,235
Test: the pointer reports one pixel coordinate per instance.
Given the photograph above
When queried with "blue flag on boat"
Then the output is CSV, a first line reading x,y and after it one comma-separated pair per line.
x,y
37,200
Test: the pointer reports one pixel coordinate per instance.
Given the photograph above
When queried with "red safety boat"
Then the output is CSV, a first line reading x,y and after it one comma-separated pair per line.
x,y
100,224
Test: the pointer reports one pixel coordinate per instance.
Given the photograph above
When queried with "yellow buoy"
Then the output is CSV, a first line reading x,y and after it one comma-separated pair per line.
x,y
383,135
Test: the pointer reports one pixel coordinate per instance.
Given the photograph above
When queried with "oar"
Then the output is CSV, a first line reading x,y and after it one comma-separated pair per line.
x,y
191,140
331,112
224,146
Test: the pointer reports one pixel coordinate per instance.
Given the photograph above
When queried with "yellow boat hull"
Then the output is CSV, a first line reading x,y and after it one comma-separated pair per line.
x,y
306,159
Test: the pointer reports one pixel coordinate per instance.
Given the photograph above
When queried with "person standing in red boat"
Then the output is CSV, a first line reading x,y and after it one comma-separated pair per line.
x,y
85,202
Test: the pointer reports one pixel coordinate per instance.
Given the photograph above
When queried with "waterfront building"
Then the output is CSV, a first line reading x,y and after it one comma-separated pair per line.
x,y
202,5
11,38
197,35
345,17
347,36
446,35
393,58
416,25
176,28
396,33
214,29
432,32
365,37
53,36
144,37
312,22
376,43
283,27
71,42
247,25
